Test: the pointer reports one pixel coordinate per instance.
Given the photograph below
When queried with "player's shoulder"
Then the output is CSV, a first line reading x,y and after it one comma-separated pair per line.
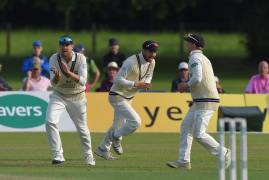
x,y
130,61
54,56
80,56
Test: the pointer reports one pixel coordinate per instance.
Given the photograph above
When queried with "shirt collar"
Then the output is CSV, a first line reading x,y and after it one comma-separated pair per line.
x,y
142,58
73,56
195,51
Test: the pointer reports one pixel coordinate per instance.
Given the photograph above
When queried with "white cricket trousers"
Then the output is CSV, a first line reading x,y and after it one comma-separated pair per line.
x,y
78,113
194,126
126,120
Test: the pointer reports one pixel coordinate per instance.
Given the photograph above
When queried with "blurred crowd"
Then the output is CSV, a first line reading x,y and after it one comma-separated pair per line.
x,y
35,68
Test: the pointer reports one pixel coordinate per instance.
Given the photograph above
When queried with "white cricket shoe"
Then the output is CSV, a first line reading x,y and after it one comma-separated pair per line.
x,y
58,159
179,165
227,158
116,143
89,160
105,154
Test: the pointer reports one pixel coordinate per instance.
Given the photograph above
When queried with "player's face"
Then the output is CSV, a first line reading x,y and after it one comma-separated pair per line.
x,y
149,55
37,50
66,49
190,47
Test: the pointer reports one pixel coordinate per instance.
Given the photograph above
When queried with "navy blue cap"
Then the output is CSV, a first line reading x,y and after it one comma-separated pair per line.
x,y
79,48
196,39
113,41
65,40
37,43
150,46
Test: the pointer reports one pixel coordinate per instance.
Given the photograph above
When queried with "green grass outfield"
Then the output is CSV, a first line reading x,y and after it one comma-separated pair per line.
x,y
27,156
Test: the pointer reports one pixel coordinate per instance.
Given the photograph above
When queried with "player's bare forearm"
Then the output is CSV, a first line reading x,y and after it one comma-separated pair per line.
x,y
74,76
55,80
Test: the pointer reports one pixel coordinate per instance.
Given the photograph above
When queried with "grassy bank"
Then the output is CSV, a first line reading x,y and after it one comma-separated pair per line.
x,y
226,51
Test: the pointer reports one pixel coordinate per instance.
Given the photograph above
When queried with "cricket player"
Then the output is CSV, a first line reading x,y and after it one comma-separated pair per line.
x,y
68,77
205,102
135,74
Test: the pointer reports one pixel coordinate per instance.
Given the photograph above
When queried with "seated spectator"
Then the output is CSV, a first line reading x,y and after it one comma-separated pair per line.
x,y
183,76
111,73
36,82
93,71
3,84
219,88
114,54
30,60
259,83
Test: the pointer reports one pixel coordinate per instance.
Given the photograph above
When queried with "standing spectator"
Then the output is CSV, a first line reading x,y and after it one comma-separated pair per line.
x,y
30,60
3,84
36,82
114,54
111,73
93,71
259,83
183,76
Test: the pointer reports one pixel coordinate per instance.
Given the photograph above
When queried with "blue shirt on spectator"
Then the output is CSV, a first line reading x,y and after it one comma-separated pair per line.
x,y
28,63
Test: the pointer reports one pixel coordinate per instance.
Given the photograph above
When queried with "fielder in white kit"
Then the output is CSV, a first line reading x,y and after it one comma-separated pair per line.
x,y
205,102
68,77
135,74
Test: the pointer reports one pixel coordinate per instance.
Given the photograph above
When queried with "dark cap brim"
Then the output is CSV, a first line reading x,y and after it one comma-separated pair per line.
x,y
188,39
151,49
65,43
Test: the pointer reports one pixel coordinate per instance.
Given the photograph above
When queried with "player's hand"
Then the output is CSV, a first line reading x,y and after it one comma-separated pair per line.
x,y
56,73
142,85
182,87
66,68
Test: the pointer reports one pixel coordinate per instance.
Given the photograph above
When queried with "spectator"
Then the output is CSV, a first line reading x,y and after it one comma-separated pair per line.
x,y
219,88
36,82
183,76
30,60
111,73
3,84
93,71
259,83
113,54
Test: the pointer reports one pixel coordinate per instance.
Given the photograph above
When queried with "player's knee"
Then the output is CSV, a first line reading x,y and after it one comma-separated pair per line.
x,y
199,136
50,124
84,132
135,124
